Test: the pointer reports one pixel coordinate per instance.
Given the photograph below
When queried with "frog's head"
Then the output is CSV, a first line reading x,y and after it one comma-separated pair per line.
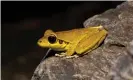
x,y
50,40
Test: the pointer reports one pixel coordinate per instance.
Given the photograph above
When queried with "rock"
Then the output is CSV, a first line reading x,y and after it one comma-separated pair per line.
x,y
123,68
98,64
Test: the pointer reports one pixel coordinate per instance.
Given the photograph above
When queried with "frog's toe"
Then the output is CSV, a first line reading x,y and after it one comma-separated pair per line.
x,y
56,54
100,28
68,57
60,55
74,56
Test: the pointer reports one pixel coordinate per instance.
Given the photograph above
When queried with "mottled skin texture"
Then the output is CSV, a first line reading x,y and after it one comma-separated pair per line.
x,y
75,40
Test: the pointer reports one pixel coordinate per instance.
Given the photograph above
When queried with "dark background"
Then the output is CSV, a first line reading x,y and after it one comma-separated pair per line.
x,y
23,23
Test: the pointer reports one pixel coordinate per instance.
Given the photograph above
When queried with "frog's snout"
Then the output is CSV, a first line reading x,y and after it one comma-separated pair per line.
x,y
42,43
39,42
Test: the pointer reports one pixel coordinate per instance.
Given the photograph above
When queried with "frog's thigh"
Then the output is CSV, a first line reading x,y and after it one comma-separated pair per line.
x,y
89,43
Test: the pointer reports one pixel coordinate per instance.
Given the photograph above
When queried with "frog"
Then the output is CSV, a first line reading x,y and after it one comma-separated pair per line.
x,y
74,42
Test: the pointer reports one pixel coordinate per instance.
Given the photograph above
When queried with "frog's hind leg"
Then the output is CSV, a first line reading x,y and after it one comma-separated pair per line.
x,y
91,42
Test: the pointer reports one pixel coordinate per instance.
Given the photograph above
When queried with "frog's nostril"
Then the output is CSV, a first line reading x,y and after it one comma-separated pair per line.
x,y
40,41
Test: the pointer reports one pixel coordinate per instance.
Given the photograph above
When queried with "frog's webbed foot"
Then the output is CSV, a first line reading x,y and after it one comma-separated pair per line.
x,y
73,56
61,54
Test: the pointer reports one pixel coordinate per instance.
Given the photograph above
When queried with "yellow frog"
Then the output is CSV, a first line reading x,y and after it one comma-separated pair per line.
x,y
77,41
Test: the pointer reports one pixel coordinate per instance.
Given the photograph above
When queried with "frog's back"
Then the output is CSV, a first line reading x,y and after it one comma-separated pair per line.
x,y
73,34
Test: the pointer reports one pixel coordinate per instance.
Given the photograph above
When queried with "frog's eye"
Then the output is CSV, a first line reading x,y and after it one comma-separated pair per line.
x,y
52,39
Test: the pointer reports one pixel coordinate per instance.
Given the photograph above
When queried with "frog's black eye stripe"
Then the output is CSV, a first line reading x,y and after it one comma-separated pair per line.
x,y
52,39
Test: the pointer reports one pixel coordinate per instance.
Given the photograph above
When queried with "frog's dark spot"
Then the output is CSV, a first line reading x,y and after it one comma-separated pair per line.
x,y
40,41
66,42
60,41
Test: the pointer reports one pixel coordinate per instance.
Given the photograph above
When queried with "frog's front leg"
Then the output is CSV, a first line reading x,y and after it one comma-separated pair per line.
x,y
70,52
